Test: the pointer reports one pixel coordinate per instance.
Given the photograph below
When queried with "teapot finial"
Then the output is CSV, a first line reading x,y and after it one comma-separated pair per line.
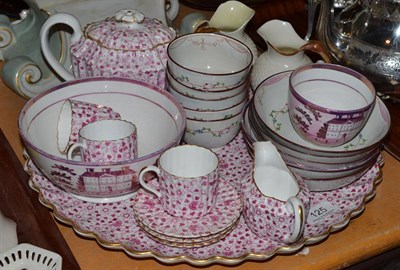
x,y
129,16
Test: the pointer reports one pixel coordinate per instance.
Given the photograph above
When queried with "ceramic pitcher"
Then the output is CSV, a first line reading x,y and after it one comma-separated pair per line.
x,y
230,19
285,51
276,202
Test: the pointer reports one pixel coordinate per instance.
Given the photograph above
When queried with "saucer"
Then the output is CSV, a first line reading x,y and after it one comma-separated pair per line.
x,y
187,242
270,104
150,212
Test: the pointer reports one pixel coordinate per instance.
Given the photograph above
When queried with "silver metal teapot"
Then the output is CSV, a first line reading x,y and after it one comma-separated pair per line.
x,y
363,35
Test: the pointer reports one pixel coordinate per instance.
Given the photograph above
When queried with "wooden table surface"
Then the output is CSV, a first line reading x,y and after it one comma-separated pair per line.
x,y
375,231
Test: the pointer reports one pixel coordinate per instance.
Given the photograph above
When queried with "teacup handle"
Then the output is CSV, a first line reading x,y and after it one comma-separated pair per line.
x,y
299,217
59,18
73,147
142,173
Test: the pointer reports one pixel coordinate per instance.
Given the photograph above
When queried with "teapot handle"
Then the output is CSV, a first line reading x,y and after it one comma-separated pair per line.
x,y
59,18
172,9
317,47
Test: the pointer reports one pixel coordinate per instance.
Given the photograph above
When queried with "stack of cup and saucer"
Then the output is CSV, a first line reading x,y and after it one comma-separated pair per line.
x,y
187,205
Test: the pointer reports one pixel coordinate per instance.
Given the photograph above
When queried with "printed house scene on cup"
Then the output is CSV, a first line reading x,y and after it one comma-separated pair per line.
x,y
203,133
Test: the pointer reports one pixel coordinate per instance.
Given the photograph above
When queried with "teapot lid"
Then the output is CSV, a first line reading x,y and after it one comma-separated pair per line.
x,y
129,30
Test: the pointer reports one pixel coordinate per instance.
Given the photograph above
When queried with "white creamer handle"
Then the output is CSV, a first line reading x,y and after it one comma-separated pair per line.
x,y
59,18
142,173
299,218
172,9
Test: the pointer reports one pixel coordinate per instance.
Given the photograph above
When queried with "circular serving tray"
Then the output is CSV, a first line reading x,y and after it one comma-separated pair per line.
x,y
113,225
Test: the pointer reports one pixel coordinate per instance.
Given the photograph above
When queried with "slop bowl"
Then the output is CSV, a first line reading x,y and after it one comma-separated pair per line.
x,y
329,104
158,116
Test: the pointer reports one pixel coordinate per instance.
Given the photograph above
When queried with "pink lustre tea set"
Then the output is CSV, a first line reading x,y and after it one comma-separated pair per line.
x,y
200,153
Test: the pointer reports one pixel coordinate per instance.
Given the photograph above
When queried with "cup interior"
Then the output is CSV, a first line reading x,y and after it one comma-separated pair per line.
x,y
107,130
331,87
189,161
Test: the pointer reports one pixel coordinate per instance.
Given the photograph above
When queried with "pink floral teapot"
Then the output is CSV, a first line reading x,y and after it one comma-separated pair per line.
x,y
127,45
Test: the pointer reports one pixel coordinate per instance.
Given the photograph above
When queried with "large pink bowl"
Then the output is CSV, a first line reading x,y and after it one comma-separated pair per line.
x,y
158,116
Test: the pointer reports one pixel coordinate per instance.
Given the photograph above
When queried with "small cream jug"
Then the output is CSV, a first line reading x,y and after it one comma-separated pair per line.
x,y
230,19
276,203
285,51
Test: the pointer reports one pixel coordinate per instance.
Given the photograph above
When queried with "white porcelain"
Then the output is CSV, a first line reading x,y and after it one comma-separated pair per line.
x,y
105,141
74,115
191,22
208,105
27,256
200,93
158,116
230,19
188,177
209,61
213,133
329,104
127,45
8,233
270,107
276,205
286,51
215,115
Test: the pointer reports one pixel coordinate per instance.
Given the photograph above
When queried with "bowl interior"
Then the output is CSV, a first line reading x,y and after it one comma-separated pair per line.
x,y
331,87
209,53
159,118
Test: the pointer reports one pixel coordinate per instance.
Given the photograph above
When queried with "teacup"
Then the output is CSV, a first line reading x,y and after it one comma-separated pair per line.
x,y
276,202
106,141
76,114
329,104
188,180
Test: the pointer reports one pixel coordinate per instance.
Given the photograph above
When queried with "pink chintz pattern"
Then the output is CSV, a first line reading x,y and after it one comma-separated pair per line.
x,y
111,49
240,244
222,215
84,113
268,217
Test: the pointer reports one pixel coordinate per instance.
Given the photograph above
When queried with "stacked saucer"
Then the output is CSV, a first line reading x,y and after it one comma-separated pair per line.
x,y
323,168
186,232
